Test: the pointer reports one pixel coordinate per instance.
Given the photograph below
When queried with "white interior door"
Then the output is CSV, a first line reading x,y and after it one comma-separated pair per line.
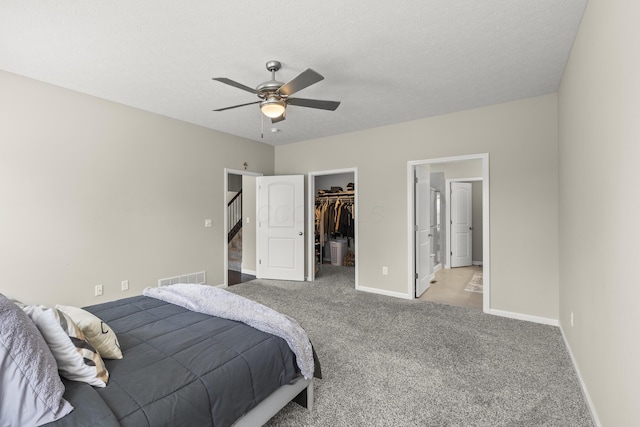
x,y
280,227
461,224
422,190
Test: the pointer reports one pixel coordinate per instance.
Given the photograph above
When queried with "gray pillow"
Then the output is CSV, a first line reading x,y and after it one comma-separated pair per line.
x,y
29,380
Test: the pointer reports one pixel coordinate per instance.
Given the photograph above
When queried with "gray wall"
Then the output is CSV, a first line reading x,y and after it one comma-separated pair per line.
x,y
94,192
457,170
99,193
521,138
599,102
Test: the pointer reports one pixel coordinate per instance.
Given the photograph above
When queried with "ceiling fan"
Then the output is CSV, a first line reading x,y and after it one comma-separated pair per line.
x,y
275,95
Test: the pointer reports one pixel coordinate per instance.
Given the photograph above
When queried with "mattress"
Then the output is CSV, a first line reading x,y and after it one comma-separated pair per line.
x,y
179,368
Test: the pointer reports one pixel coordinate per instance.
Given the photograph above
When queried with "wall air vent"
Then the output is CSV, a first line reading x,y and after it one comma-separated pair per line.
x,y
197,278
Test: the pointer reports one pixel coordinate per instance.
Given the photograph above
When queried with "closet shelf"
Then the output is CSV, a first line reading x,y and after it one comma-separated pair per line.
x,y
350,194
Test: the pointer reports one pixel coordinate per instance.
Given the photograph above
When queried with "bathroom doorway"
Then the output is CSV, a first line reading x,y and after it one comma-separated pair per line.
x,y
443,171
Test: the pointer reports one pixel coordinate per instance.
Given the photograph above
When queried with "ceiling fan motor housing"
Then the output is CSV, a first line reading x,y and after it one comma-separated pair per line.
x,y
269,88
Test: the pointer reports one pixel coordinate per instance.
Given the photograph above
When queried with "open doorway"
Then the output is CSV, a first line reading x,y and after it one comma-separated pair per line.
x,y
333,226
239,226
431,252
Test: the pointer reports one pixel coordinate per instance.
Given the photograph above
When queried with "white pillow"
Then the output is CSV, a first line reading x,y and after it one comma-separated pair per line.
x,y
99,334
77,359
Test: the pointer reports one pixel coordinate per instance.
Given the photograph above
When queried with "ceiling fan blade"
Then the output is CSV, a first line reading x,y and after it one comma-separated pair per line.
x,y
278,119
235,84
314,103
236,106
299,82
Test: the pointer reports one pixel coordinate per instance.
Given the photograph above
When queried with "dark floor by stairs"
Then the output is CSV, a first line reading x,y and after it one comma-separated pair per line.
x,y
235,277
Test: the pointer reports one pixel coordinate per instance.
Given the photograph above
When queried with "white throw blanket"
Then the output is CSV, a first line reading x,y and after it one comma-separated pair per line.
x,y
221,303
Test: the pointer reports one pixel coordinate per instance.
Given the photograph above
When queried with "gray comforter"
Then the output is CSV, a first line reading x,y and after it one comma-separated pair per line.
x,y
180,368
222,303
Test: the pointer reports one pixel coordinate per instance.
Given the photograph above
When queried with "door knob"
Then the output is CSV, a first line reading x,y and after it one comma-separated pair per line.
x,y
300,233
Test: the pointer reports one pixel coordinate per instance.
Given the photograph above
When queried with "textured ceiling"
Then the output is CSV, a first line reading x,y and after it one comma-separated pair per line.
x,y
387,62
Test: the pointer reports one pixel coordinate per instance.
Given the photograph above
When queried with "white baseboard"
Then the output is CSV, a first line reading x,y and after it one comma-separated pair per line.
x,y
250,272
527,317
383,292
480,263
583,386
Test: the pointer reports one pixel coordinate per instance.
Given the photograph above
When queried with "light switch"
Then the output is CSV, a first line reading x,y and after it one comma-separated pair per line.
x,y
208,223
248,220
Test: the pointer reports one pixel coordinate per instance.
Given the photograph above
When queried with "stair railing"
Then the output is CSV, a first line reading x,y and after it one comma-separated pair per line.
x,y
234,216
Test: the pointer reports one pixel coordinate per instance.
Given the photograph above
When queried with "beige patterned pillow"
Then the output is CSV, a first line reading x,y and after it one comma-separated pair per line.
x,y
77,359
99,334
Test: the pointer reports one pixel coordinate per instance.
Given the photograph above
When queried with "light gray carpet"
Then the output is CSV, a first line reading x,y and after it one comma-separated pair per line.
x,y
393,362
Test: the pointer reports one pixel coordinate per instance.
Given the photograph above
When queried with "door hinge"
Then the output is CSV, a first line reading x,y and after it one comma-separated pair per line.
x,y
416,276
260,262
416,179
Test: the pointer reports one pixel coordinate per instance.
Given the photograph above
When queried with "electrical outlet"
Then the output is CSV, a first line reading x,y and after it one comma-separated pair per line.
x,y
125,285
385,270
572,319
98,290
208,223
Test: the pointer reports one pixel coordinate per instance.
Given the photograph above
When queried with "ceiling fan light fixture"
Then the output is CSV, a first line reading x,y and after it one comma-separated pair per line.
x,y
272,107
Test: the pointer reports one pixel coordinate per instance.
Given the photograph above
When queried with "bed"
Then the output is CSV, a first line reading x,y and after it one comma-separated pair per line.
x,y
182,367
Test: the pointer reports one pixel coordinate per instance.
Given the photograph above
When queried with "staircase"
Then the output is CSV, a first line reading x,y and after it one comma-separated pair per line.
x,y
234,215
235,252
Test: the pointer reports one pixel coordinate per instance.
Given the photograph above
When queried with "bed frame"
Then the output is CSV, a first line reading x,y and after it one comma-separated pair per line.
x,y
278,400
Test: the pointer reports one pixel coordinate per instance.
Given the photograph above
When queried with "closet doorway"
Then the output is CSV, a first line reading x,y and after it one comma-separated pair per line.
x,y
332,237
443,172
